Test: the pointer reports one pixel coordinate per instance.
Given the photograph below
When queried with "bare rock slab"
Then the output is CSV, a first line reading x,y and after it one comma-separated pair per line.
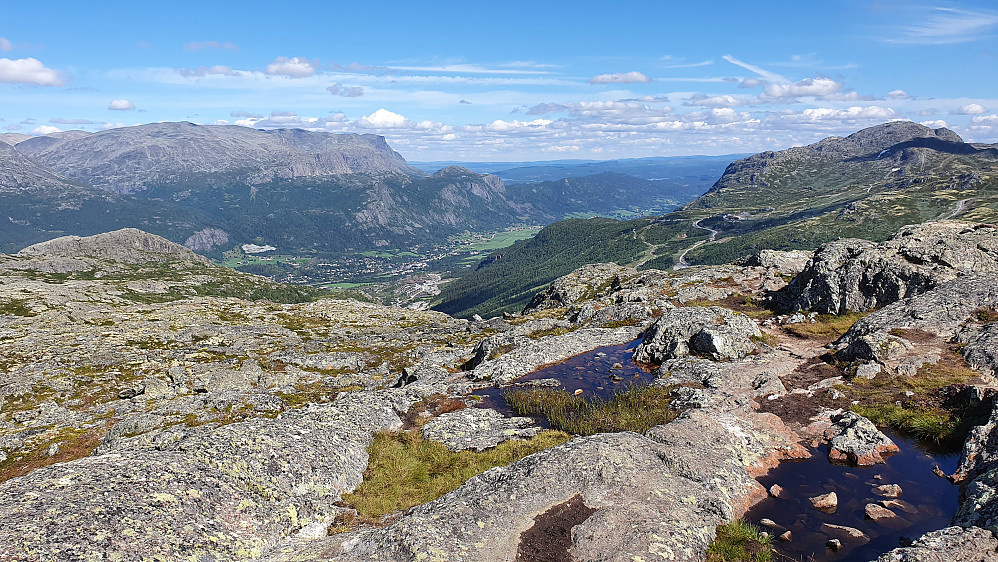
x,y
477,428
854,439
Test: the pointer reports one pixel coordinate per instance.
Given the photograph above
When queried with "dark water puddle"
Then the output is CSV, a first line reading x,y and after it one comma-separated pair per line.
x,y
933,499
592,372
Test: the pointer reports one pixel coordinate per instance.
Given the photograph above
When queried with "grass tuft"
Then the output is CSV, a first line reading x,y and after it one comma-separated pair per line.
x,y
406,470
826,327
740,541
638,408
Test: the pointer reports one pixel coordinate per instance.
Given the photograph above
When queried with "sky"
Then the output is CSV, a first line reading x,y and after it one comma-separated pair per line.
x,y
507,81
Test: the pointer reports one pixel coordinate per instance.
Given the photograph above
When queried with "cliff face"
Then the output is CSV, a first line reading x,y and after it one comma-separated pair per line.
x,y
131,159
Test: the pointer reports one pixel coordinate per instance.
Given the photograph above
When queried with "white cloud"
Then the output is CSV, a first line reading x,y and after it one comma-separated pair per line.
x,y
245,114
198,45
121,105
727,100
809,87
107,126
898,95
30,71
934,124
5,44
751,83
466,69
690,65
296,67
971,109
943,26
382,119
45,130
338,89
850,114
633,77
65,121
506,126
762,72
202,71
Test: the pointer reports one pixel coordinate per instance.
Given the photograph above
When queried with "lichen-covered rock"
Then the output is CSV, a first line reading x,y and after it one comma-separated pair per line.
x,y
855,440
477,428
952,544
224,492
857,275
981,350
940,311
586,282
654,496
713,332
786,262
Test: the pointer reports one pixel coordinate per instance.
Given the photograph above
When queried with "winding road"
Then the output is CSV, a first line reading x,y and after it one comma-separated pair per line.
x,y
682,257
961,206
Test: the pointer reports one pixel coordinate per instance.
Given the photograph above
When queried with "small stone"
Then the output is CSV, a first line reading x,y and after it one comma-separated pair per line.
x,y
776,491
938,471
825,501
834,545
887,490
786,537
131,392
878,476
881,515
899,504
578,392
52,450
851,535
617,366
772,525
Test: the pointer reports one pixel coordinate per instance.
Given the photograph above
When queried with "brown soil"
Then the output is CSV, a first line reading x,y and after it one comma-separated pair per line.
x,y
434,406
814,370
549,539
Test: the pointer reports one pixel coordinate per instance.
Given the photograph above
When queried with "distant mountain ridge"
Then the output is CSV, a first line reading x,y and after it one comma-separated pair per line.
x,y
866,185
301,191
131,159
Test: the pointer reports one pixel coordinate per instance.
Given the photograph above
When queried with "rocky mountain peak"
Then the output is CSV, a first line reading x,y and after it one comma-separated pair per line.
x,y
128,245
453,171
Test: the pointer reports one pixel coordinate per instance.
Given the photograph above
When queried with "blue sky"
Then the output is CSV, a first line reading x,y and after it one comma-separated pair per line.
x,y
511,80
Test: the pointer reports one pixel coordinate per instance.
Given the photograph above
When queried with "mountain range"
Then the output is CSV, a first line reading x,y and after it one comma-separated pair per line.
x,y
215,187
866,185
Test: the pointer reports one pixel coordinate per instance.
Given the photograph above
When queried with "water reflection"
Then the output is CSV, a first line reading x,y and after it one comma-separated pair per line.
x,y
599,372
927,503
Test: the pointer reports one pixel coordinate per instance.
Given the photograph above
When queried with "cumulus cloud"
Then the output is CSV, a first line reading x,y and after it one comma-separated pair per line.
x,y
971,109
45,130
727,100
934,124
202,71
809,87
121,105
65,121
5,44
633,77
30,71
898,95
296,67
849,114
382,119
338,89
198,45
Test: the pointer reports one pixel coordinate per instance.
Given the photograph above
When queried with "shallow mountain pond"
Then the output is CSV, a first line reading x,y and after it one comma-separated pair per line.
x,y
599,372
929,502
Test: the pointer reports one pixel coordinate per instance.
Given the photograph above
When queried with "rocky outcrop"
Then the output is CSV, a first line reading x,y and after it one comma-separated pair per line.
x,y
477,428
655,496
227,492
941,311
585,283
128,245
952,544
858,275
855,440
712,332
207,239
786,262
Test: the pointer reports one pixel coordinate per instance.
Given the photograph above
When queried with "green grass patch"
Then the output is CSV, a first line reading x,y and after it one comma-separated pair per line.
x,y
740,541
17,307
549,332
825,326
934,411
638,408
406,470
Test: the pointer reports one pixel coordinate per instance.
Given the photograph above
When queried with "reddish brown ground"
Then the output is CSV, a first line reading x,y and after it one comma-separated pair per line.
x,y
551,535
